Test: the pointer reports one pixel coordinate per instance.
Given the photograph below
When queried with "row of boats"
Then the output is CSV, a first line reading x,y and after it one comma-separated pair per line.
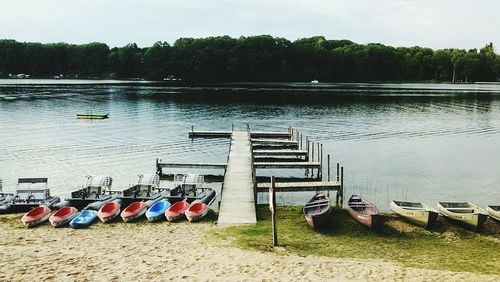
x,y
317,212
95,199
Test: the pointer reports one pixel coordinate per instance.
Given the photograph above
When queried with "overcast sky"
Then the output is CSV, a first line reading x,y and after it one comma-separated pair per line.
x,y
432,23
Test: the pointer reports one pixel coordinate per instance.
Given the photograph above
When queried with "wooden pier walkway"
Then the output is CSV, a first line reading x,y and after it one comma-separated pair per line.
x,y
300,186
238,195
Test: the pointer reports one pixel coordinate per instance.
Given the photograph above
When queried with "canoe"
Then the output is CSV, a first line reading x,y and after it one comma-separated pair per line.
x,y
364,212
88,116
176,211
417,213
83,219
157,210
318,211
36,216
63,216
109,211
469,215
494,212
196,211
134,211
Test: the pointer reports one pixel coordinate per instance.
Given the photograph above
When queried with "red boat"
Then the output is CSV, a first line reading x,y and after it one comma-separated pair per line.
x,y
364,212
109,211
196,211
176,211
63,216
134,211
36,216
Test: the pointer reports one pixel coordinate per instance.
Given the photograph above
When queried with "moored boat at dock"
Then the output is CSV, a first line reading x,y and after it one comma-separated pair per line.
x,y
417,213
469,215
318,211
364,212
30,193
93,193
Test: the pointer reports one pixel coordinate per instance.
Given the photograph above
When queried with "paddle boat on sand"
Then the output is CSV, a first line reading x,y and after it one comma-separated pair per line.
x,y
84,219
109,211
63,216
93,193
36,216
157,211
30,193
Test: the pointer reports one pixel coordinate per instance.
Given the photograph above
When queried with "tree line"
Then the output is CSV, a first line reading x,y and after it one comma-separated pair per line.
x,y
255,58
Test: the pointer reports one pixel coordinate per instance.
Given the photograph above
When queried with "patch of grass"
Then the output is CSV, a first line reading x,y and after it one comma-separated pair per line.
x,y
446,248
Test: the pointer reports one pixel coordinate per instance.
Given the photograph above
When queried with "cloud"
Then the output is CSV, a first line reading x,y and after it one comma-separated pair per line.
x,y
437,24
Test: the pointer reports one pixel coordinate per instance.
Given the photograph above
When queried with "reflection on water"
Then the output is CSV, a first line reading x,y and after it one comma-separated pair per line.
x,y
422,142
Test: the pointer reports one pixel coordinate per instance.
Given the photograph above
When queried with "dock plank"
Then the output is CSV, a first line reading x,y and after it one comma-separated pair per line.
x,y
238,199
192,165
300,186
280,152
288,165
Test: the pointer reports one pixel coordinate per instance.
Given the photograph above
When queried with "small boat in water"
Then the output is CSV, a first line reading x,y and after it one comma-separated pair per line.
x,y
177,210
364,212
109,211
91,116
318,211
494,212
36,216
63,216
83,219
30,193
157,210
418,213
469,215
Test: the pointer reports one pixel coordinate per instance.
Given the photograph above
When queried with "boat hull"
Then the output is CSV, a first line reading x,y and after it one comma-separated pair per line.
x,y
196,211
176,211
494,212
157,210
109,211
36,216
425,217
134,211
473,220
364,212
84,219
63,216
318,211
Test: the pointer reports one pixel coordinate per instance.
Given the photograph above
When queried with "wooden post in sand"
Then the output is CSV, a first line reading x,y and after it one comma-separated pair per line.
x,y
272,206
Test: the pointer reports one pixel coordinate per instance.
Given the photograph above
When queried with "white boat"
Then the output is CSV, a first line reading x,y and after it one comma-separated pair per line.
x,y
494,212
470,215
314,81
418,213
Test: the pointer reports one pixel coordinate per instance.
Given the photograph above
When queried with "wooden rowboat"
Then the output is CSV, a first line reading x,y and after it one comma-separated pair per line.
x,y
364,212
418,213
494,212
318,211
90,116
469,215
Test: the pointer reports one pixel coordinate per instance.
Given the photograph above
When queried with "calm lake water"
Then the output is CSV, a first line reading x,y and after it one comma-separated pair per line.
x,y
419,142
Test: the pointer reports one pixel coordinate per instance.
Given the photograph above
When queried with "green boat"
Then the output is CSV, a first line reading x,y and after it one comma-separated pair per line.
x,y
90,116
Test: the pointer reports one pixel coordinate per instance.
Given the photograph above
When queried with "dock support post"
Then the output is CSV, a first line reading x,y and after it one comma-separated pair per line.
x,y
232,127
338,172
158,168
273,211
301,141
307,148
297,136
312,153
328,157
341,186
321,163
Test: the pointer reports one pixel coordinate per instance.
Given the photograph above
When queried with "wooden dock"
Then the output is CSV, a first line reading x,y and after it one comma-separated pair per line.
x,y
252,150
300,186
238,195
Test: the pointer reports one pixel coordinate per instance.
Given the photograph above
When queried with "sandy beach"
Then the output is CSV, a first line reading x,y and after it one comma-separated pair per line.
x,y
176,251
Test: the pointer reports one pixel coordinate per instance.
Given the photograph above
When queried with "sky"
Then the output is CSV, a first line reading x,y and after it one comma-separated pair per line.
x,y
431,23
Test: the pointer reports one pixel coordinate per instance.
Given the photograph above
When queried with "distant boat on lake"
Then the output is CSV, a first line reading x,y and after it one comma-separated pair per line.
x,y
91,116
314,81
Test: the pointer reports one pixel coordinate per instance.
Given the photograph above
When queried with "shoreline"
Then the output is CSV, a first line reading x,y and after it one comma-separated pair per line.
x,y
180,251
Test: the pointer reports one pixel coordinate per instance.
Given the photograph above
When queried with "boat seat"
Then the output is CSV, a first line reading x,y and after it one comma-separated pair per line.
x,y
39,195
22,195
318,205
317,202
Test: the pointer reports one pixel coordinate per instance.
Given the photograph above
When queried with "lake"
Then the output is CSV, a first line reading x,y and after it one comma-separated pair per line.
x,y
418,142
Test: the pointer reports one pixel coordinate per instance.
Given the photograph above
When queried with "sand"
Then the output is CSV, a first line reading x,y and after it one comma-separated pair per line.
x,y
177,251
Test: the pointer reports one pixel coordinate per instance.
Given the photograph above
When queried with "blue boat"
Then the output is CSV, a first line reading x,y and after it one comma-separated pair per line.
x,y
157,210
83,219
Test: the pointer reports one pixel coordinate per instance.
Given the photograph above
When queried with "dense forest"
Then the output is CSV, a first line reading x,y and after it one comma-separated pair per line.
x,y
256,58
